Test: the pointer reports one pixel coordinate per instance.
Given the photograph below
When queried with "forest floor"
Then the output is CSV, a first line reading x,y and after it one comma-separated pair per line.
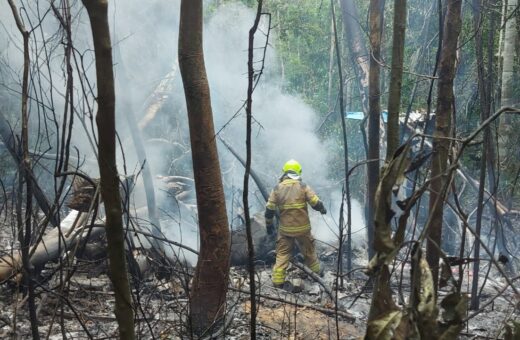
x,y
82,307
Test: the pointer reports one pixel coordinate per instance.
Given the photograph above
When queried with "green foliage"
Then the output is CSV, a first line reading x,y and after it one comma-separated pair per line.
x,y
303,30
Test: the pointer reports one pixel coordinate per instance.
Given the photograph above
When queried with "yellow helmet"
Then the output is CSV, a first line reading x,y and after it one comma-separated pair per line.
x,y
292,165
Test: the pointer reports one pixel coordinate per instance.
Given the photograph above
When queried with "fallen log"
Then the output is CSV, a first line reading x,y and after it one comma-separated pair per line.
x,y
178,179
262,242
72,230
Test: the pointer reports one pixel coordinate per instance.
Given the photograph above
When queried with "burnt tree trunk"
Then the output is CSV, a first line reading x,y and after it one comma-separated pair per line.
x,y
106,124
374,115
209,288
441,143
396,78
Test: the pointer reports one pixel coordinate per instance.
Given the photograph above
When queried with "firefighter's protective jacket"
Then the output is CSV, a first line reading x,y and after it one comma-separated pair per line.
x,y
290,197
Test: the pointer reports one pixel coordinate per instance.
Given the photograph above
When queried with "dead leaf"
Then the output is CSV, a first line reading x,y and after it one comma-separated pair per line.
x,y
383,328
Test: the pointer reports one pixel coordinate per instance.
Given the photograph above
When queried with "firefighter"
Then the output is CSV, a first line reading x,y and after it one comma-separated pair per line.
x,y
290,197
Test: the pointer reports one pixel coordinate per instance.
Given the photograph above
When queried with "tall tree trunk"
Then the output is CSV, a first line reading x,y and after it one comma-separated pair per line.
x,y
396,78
508,56
346,191
485,106
245,194
106,124
508,62
441,143
209,288
357,47
374,114
24,166
330,99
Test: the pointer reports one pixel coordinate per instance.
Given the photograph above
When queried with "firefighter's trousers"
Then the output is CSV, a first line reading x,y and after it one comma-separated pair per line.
x,y
284,247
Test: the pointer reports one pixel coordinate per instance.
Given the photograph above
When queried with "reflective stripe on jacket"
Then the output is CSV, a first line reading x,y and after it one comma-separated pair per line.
x,y
290,197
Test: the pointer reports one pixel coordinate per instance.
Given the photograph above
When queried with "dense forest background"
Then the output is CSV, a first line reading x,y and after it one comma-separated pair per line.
x,y
403,114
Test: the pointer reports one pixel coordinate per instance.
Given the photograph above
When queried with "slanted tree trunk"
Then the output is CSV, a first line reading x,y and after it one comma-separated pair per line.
x,y
441,145
159,97
137,138
106,124
374,115
261,187
396,78
14,148
209,288
357,47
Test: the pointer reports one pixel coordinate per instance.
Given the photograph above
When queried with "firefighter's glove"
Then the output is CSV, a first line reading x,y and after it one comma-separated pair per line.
x,y
270,229
320,207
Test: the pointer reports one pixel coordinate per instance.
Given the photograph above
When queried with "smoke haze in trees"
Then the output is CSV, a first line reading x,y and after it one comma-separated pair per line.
x,y
284,125
145,49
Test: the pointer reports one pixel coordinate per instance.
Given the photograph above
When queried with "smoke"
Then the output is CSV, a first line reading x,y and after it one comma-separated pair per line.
x,y
145,49
284,123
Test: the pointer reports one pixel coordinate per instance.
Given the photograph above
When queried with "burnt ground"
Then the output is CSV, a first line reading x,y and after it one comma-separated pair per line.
x,y
86,311
82,307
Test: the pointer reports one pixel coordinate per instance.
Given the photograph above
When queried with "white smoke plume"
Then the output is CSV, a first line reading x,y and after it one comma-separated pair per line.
x,y
145,34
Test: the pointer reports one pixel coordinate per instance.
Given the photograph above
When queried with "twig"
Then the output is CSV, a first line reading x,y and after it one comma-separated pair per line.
x,y
349,317
314,276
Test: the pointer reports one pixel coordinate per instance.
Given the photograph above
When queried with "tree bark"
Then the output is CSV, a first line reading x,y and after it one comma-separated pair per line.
x,y
105,120
396,78
209,288
374,114
441,143
245,194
